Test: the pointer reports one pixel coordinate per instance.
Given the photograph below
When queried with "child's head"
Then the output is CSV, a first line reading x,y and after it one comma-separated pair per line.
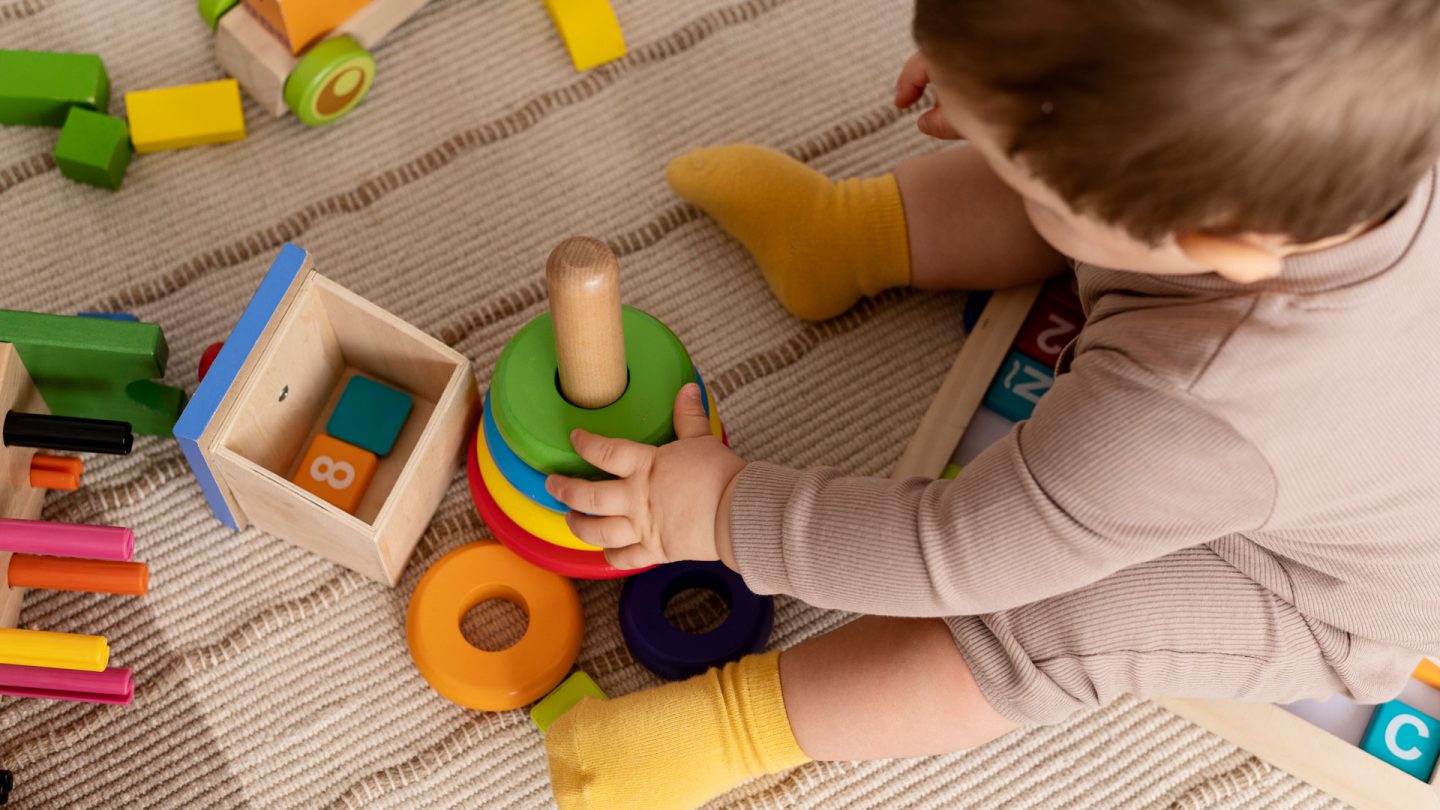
x,y
1176,136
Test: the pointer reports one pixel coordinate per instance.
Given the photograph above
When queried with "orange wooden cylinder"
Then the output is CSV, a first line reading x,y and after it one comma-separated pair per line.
x,y
54,479
55,472
65,464
69,574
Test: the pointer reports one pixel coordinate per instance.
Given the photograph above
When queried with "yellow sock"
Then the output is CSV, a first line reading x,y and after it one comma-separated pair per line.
x,y
677,745
821,244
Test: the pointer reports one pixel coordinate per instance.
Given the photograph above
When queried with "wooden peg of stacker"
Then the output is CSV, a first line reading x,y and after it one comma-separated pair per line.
x,y
582,277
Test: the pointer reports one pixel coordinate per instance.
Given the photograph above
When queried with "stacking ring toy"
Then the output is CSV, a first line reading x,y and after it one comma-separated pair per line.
x,y
711,411
535,519
674,654
527,479
535,419
567,562
475,678
530,481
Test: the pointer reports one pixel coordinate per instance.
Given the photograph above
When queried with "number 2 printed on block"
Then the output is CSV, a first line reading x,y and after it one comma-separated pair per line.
x,y
1018,387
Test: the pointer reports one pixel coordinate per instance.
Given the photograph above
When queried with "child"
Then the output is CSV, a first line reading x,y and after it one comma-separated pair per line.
x,y
1230,491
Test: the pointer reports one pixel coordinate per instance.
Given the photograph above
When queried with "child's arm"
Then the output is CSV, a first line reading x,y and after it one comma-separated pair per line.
x,y
1113,469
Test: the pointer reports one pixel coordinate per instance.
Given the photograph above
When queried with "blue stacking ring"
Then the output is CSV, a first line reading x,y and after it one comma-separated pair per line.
x,y
674,654
528,480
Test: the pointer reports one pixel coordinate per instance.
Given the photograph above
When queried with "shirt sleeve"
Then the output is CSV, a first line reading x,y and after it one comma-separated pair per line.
x,y
1115,467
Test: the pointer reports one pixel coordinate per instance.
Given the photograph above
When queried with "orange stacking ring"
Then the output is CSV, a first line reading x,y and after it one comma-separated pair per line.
x,y
479,679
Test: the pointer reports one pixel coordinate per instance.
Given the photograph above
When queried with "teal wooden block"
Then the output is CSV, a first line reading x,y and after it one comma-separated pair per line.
x,y
1019,385
1405,737
370,414
97,368
563,698
93,148
38,88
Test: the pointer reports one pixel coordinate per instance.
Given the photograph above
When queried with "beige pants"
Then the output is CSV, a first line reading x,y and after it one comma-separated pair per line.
x,y
1186,625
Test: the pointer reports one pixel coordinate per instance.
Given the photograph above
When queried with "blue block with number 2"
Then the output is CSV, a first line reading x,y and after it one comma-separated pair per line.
x,y
1019,385
1405,737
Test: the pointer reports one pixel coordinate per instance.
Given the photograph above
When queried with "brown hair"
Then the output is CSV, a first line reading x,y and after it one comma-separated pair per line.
x,y
1295,117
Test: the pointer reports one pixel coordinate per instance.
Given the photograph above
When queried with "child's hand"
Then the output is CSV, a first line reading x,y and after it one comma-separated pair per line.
x,y
914,78
664,505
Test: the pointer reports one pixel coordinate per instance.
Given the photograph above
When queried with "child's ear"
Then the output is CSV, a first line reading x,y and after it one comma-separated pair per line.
x,y
1232,257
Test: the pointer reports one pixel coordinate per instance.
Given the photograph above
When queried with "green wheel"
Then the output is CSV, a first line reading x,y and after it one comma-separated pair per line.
x,y
212,10
329,80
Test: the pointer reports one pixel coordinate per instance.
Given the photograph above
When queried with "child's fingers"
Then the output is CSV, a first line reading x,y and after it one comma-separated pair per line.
x,y
933,123
631,557
914,77
590,497
615,456
605,532
690,418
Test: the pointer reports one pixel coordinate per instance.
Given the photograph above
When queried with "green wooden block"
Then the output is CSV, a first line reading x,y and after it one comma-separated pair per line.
x,y
370,414
38,88
564,697
97,368
93,148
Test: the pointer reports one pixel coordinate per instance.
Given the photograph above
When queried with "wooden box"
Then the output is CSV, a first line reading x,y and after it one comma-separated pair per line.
x,y
273,387
17,498
1268,731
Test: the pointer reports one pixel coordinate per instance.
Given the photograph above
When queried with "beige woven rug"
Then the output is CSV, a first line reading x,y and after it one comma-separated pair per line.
x,y
270,678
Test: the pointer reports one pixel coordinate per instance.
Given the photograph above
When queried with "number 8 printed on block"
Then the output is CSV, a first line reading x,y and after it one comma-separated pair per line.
x,y
336,471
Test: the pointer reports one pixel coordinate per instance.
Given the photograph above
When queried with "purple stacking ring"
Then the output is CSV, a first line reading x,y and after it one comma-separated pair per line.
x,y
674,654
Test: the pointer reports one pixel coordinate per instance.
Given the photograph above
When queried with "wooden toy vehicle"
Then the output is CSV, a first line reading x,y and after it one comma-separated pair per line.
x,y
271,397
309,56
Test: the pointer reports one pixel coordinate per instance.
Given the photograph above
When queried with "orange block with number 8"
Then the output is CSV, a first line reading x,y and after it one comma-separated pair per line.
x,y
337,471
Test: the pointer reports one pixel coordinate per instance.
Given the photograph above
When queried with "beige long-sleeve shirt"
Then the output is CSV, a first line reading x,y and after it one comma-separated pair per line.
x,y
1293,425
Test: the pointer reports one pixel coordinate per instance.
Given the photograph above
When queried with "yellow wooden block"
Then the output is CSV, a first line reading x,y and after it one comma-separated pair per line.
x,y
183,116
589,29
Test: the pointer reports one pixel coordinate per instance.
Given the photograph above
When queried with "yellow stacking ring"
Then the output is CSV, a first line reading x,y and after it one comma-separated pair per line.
x,y
545,524
716,429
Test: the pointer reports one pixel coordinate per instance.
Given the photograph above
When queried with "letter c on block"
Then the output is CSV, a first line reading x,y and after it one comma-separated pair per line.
x,y
1392,733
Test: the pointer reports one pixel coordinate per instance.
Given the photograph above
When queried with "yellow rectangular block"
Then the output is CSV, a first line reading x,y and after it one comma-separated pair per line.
x,y
589,29
184,116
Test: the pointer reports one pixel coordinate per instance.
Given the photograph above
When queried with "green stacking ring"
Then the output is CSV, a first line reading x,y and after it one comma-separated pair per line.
x,y
535,419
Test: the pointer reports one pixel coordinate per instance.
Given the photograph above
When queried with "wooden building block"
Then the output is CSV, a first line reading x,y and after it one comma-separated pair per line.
x,y
563,698
370,415
185,115
1405,737
1018,387
589,29
97,369
258,61
337,471
1047,330
298,24
377,19
38,88
93,148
